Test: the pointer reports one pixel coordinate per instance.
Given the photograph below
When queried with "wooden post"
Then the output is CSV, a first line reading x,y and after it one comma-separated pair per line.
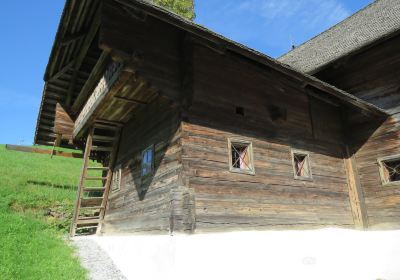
x,y
57,143
356,196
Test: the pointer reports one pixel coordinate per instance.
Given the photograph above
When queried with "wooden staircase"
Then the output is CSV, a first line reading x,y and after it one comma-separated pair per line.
x,y
95,181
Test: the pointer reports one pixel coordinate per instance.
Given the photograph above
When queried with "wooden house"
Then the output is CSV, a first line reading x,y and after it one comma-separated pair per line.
x,y
198,133
360,56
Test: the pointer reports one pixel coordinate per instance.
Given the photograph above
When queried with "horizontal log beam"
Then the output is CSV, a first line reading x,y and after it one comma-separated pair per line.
x,y
111,82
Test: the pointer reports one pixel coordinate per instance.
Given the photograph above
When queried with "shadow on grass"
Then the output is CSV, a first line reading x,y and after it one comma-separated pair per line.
x,y
48,184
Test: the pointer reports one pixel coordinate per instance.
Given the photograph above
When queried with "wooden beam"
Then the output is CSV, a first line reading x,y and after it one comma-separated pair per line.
x,y
356,196
66,19
108,86
316,93
62,71
120,98
93,78
82,54
71,38
27,149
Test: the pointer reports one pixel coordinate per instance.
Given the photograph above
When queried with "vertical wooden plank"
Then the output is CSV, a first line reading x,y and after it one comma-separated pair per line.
x,y
356,196
57,143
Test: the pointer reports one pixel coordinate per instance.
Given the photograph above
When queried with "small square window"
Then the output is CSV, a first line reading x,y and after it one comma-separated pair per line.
x,y
240,156
116,180
390,170
148,161
240,111
301,165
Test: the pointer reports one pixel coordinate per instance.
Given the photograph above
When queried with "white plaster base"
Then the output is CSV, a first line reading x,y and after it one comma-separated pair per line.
x,y
316,254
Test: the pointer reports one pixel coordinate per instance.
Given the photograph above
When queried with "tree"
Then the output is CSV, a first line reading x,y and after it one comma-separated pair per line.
x,y
184,8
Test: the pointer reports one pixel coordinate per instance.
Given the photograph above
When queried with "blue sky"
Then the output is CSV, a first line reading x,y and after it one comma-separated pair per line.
x,y
28,30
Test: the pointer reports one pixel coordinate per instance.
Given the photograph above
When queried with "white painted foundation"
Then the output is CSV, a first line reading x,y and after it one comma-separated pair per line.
x,y
318,254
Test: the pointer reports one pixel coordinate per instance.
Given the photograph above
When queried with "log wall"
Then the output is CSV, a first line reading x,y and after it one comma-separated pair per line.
x,y
271,198
153,203
373,75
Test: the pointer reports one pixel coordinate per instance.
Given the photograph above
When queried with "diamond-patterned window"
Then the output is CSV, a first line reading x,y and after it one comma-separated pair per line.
x,y
240,156
301,165
390,170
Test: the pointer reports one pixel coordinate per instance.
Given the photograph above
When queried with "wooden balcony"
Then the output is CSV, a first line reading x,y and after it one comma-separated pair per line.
x,y
118,93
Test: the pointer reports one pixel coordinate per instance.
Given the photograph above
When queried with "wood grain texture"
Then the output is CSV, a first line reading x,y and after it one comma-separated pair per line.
x,y
155,203
63,123
271,198
373,76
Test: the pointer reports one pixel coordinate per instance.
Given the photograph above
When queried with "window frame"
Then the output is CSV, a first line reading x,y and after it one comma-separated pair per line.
x,y
251,170
117,171
381,160
294,152
151,147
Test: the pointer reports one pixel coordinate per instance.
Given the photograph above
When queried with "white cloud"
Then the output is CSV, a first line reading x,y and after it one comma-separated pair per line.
x,y
270,26
309,12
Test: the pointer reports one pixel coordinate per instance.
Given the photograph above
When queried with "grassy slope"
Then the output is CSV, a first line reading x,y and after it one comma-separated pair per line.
x,y
36,200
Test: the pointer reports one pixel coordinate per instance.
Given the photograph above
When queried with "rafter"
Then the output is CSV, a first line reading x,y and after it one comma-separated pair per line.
x,y
62,71
81,56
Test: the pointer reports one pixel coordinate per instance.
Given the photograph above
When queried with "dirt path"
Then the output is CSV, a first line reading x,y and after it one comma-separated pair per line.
x,y
96,260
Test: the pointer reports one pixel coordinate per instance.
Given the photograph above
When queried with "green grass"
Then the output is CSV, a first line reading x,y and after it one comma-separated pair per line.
x,y
37,194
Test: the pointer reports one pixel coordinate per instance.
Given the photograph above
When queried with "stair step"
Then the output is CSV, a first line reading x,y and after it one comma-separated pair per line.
x,y
95,178
106,126
84,218
92,207
94,189
98,168
91,202
102,138
87,227
88,222
102,149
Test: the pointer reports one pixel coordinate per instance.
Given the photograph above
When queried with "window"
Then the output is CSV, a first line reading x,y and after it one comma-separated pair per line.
x,y
240,156
389,168
147,161
301,165
240,111
116,180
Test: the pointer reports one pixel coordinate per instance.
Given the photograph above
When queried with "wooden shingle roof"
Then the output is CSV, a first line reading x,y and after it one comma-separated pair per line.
x,y
378,21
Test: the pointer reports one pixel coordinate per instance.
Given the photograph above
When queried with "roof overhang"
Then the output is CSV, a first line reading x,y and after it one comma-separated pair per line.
x,y
93,61
220,42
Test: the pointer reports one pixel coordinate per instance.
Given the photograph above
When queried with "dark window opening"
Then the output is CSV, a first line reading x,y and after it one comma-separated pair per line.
x,y
390,170
277,113
301,165
240,111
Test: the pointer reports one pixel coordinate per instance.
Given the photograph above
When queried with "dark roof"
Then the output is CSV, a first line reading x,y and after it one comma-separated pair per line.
x,y
375,22
56,89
